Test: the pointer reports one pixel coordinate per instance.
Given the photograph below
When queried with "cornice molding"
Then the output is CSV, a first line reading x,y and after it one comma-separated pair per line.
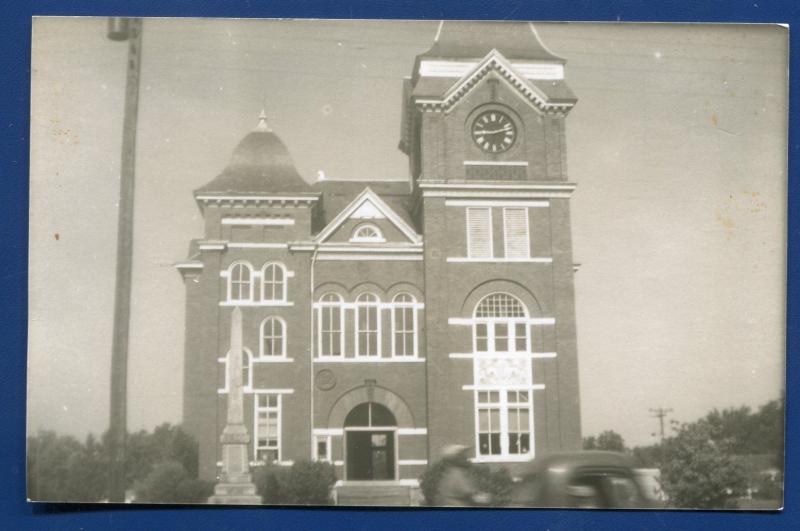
x,y
493,62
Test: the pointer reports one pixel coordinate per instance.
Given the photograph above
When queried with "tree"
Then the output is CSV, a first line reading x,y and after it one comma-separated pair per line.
x,y
609,440
700,470
167,443
61,468
169,482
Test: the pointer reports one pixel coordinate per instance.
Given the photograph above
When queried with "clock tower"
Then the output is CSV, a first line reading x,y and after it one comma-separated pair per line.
x,y
483,126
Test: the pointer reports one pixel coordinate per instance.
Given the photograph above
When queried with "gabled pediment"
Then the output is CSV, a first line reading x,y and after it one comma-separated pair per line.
x,y
370,210
494,62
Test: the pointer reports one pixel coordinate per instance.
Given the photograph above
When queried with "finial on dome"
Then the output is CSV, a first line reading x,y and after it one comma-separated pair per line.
x,y
262,122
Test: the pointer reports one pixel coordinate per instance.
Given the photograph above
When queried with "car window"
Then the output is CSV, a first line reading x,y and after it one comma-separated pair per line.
x,y
623,491
602,490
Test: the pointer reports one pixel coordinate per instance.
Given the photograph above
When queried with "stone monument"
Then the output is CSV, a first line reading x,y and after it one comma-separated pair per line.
x,y
235,485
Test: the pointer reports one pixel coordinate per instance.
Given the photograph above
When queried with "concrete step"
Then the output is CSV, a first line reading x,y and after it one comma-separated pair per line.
x,y
380,494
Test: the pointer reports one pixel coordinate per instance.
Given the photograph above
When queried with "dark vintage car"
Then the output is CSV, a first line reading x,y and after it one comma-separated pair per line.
x,y
589,480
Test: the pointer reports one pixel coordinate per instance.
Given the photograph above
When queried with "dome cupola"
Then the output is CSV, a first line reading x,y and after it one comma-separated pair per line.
x,y
260,164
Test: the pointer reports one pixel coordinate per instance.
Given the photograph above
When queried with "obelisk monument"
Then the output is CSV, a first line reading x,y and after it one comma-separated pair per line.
x,y
235,485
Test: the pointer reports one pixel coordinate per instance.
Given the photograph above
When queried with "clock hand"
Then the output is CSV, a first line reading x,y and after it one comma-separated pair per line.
x,y
492,132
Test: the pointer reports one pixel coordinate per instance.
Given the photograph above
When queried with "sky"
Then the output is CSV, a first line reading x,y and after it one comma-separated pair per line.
x,y
678,145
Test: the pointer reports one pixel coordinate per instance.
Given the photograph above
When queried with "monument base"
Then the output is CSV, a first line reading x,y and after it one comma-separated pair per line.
x,y
235,494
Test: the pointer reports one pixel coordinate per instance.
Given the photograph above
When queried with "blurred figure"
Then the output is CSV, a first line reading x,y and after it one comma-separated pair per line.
x,y
456,487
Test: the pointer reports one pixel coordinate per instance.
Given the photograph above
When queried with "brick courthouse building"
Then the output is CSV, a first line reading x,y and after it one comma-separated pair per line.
x,y
383,320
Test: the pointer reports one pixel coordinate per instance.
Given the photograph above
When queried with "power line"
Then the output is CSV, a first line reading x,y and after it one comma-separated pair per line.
x,y
660,413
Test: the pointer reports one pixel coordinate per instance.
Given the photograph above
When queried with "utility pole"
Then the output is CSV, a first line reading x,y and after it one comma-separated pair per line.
x,y
660,413
123,29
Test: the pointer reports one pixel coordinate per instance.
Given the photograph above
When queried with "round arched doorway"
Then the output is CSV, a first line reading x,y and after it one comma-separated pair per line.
x,y
370,442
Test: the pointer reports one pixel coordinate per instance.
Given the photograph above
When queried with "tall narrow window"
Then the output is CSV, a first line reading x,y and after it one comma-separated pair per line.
x,y
479,232
519,430
515,229
240,282
273,286
267,447
331,325
273,337
500,324
489,423
367,325
404,326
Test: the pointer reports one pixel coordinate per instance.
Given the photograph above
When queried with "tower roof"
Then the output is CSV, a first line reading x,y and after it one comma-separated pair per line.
x,y
260,164
517,41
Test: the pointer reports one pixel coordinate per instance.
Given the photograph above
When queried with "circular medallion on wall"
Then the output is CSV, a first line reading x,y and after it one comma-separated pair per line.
x,y
494,131
326,380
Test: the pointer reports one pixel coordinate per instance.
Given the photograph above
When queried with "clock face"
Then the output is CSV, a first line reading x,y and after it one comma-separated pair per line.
x,y
494,131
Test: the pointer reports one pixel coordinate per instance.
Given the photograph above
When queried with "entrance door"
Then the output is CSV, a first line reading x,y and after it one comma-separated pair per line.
x,y
370,442
370,455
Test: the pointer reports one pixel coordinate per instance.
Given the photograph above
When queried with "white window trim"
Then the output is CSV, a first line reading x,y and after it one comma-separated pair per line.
x,y
262,304
527,233
256,410
531,260
490,229
470,321
368,359
412,431
261,354
315,454
329,431
320,307
415,324
532,203
229,282
512,355
491,324
229,220
364,305
285,283
355,238
503,406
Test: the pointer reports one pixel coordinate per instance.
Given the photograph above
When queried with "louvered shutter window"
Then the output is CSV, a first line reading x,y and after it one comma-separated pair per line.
x,y
479,232
517,240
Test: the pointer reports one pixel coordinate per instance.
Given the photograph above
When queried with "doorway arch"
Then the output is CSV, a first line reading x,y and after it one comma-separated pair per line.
x,y
370,431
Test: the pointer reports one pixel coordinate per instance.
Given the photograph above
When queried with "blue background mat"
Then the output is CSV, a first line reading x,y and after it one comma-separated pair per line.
x,y
16,513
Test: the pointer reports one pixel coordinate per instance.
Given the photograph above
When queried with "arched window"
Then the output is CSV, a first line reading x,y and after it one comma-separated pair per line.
x,y
500,324
273,337
240,282
404,325
369,415
367,232
273,284
331,325
368,325
247,364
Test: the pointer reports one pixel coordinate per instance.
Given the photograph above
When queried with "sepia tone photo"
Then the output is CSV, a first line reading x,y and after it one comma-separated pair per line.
x,y
407,263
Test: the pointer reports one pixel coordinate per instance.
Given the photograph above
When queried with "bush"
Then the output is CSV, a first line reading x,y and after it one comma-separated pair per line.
x,y
194,491
700,471
429,481
304,483
270,481
310,483
497,483
168,482
61,468
768,489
